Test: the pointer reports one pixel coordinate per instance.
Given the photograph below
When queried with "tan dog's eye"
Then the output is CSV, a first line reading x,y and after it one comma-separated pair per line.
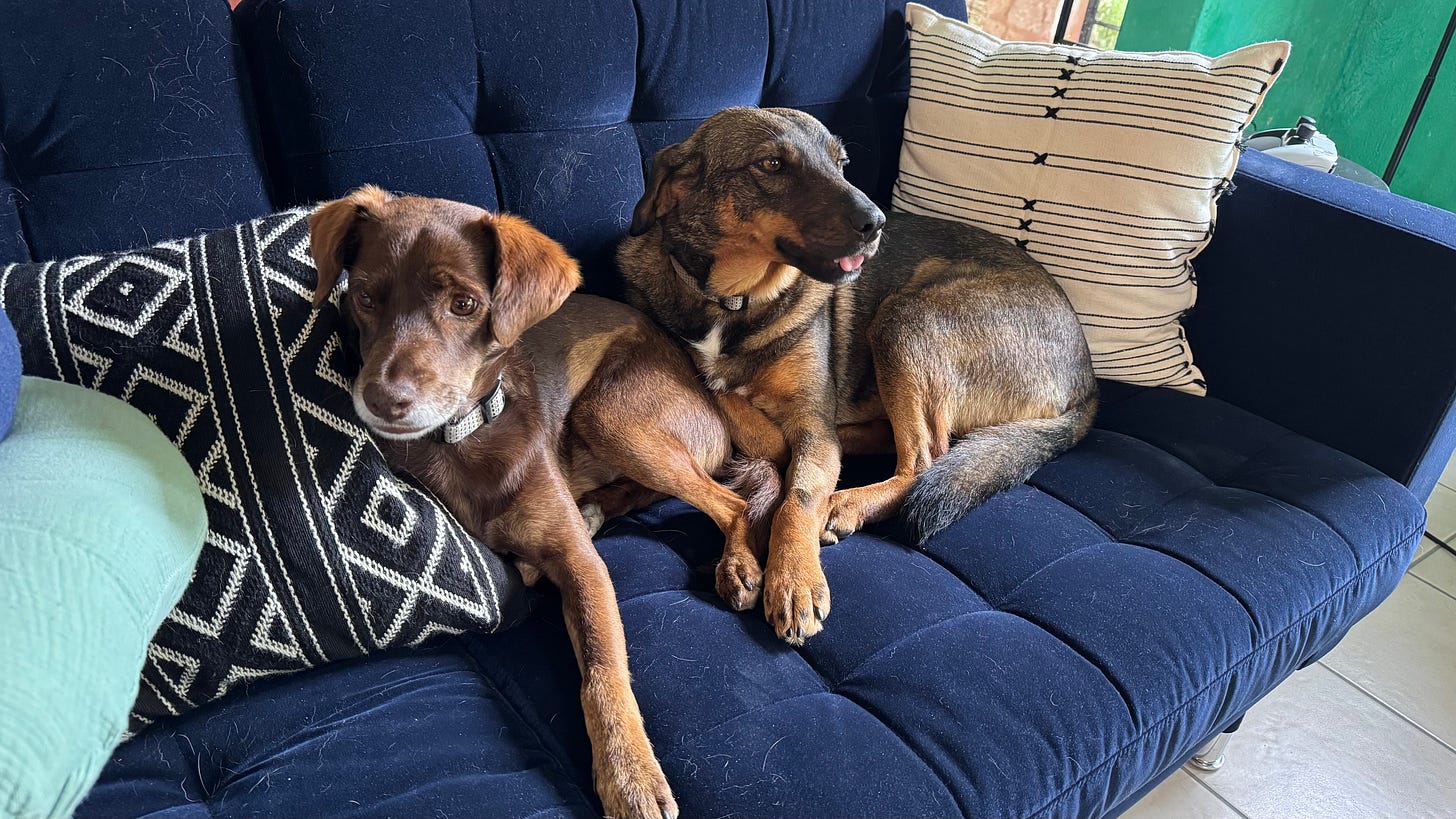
x,y
364,300
771,165
463,305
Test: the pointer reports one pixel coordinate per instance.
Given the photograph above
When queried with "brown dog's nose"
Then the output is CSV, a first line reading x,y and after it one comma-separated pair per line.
x,y
391,401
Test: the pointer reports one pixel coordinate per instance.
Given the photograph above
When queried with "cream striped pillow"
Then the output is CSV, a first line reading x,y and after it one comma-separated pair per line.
x,y
1104,165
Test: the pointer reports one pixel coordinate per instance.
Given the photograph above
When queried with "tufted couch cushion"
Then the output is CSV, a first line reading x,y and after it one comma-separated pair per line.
x,y
550,109
1051,654
1045,656
122,125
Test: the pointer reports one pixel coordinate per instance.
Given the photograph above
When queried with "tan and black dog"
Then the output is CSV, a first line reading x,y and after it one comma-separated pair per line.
x,y
749,245
513,403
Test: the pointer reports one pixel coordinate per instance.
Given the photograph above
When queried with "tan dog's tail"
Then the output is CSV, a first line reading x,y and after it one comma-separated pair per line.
x,y
986,461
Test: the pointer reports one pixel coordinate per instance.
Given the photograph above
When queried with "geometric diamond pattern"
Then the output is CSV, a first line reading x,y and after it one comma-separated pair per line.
x,y
315,552
388,513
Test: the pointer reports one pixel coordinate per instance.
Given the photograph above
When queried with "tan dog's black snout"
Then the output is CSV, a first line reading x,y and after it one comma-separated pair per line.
x,y
849,237
866,219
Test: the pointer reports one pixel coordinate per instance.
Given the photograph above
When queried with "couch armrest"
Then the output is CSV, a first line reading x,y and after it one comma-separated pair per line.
x,y
1330,308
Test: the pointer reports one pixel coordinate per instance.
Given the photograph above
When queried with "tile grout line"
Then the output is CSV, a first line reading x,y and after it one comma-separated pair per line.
x,y
1434,548
1387,706
1432,585
1216,794
1437,544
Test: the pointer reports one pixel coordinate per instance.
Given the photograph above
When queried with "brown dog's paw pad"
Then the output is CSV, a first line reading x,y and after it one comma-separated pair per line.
x,y
740,581
796,607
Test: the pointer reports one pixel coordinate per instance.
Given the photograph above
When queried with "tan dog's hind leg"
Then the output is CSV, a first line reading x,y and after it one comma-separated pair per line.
x,y
921,431
867,438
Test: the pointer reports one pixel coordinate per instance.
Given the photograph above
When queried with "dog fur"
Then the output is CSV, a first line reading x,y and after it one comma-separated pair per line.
x,y
601,410
951,333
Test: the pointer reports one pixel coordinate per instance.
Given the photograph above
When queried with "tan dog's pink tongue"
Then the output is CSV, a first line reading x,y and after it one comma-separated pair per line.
x,y
850,263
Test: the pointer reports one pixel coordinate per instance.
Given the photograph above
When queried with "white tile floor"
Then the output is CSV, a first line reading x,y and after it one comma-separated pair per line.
x,y
1368,731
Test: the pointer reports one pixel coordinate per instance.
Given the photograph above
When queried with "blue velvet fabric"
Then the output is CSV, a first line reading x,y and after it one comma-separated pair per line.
x,y
1327,306
122,125
1051,654
1045,656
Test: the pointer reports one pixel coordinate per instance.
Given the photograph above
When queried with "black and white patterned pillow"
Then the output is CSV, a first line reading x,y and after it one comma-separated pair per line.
x,y
315,550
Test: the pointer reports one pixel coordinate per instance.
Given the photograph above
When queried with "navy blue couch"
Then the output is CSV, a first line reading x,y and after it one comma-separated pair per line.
x,y
1055,653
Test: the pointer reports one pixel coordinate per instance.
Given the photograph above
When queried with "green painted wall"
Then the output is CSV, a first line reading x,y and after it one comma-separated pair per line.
x,y
1356,66
1428,170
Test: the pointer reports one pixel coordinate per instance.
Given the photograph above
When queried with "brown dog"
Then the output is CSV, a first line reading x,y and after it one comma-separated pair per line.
x,y
749,245
511,410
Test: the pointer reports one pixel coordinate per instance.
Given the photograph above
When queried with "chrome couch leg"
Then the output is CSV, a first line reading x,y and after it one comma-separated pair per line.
x,y
1210,756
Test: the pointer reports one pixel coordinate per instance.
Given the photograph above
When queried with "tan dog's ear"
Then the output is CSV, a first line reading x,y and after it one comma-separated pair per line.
x,y
675,169
533,275
331,235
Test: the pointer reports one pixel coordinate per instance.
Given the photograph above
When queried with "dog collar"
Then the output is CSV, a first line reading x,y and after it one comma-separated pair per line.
x,y
730,303
486,411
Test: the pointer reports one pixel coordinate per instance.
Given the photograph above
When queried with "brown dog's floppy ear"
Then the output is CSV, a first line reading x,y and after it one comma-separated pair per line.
x,y
533,275
672,173
331,235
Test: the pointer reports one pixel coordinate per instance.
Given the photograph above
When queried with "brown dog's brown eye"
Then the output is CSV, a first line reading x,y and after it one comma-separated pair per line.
x,y
364,300
463,305
771,165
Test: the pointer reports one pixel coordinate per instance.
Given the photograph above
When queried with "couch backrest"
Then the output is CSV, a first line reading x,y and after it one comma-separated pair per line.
x,y
132,122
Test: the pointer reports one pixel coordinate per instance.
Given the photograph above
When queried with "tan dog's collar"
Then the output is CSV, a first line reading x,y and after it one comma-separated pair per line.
x,y
730,303
486,411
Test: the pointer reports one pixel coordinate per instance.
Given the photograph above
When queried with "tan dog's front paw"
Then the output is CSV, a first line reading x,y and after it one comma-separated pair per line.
x,y
796,600
740,579
633,787
846,516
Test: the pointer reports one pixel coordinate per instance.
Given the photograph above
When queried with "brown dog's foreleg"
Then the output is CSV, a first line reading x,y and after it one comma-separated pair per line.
x,y
542,527
921,435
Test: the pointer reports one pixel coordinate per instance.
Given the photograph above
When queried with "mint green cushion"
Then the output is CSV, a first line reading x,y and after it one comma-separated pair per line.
x,y
101,521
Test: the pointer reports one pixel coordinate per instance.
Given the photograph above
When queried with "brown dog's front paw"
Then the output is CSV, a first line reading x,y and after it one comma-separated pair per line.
x,y
796,600
634,789
740,579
